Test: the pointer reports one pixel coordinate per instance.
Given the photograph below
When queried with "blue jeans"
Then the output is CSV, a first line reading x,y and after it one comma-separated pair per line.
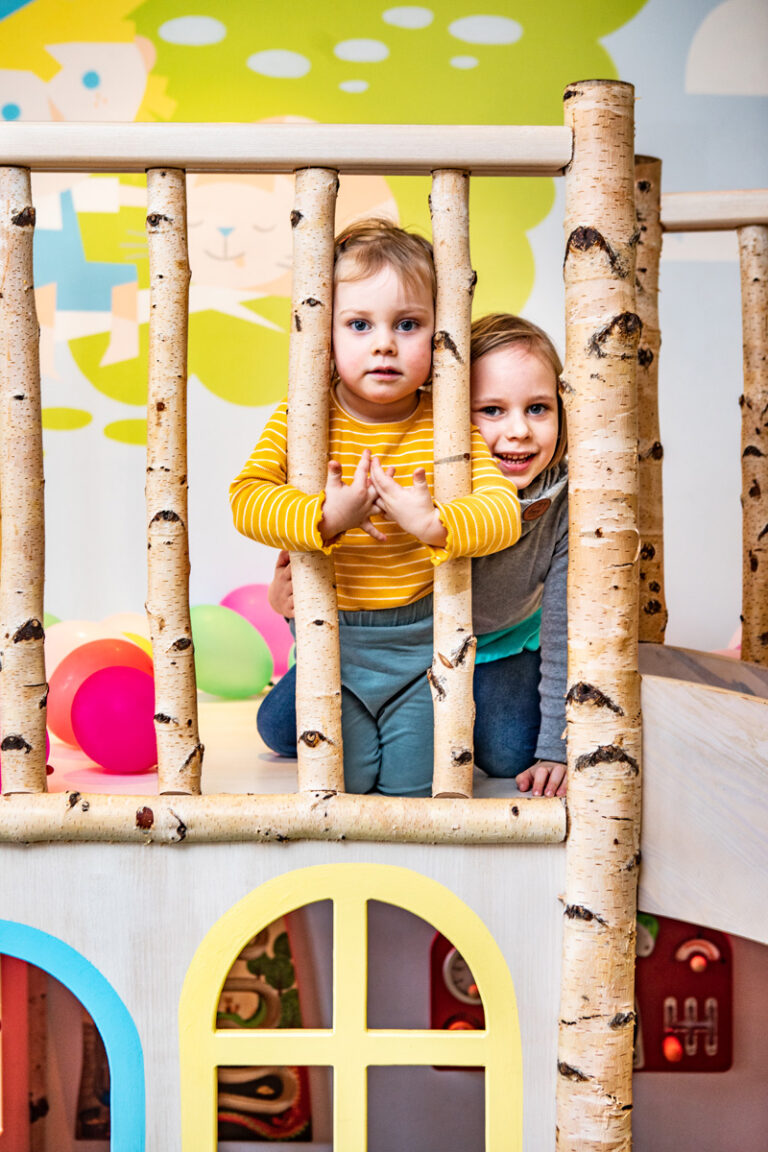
x,y
506,724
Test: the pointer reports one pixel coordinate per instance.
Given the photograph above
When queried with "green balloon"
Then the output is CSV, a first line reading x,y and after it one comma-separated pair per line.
x,y
292,656
231,657
49,620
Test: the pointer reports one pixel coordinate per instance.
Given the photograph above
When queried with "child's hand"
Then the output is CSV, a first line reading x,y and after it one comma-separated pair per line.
x,y
280,591
412,508
547,777
349,505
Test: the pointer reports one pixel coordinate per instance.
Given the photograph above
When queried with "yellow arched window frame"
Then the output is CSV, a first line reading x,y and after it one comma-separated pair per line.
x,y
350,1047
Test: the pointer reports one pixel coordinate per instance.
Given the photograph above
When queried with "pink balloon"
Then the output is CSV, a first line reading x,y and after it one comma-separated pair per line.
x,y
113,719
251,602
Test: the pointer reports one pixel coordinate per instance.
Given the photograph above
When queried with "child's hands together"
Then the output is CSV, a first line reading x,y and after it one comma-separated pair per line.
x,y
412,508
545,777
349,505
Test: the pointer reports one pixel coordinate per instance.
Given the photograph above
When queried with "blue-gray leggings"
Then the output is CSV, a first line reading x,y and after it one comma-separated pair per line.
x,y
386,705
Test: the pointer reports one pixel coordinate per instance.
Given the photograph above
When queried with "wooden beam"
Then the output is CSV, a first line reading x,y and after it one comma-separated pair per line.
x,y
397,149
713,211
75,816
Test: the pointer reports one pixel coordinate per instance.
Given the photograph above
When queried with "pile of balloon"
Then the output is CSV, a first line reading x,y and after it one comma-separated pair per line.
x,y
101,679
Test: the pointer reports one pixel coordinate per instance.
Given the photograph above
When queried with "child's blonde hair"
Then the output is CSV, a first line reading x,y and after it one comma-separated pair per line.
x,y
369,245
503,330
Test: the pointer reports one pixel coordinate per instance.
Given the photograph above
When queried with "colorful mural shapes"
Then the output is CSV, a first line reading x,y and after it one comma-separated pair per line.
x,y
401,64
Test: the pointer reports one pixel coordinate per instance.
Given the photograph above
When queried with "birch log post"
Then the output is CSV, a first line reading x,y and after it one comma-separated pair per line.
x,y
653,608
753,256
318,667
22,679
450,676
594,1087
180,753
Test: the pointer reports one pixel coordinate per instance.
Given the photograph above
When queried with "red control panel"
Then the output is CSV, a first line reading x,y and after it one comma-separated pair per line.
x,y
455,1001
684,997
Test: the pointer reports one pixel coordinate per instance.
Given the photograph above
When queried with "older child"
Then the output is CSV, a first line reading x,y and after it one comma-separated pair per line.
x,y
519,595
381,450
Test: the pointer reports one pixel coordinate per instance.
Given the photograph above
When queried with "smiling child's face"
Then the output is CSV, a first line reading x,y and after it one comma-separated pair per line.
x,y
514,406
382,344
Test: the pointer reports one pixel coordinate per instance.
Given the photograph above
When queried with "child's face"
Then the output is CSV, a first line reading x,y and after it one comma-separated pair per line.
x,y
514,405
382,344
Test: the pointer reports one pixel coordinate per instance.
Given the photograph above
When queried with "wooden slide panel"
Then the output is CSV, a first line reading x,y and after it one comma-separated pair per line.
x,y
705,806
704,668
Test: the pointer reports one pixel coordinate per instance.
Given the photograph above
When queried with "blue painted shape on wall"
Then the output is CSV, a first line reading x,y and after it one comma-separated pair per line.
x,y
82,285
8,7
110,1015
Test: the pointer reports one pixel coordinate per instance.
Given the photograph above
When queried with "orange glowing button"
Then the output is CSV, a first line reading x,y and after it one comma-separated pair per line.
x,y
698,963
673,1049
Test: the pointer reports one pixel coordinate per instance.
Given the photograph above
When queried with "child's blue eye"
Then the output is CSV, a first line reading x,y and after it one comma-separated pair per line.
x,y
490,410
538,409
408,325
358,325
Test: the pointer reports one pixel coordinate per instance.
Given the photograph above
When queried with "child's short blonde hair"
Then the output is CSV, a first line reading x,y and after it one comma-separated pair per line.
x,y
503,330
369,245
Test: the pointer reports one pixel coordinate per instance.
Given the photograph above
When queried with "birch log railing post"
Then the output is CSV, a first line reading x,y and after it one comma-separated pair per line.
x,y
24,689
753,257
180,753
450,676
594,1084
653,608
318,665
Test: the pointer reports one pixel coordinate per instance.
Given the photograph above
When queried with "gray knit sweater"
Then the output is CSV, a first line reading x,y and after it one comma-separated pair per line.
x,y
510,585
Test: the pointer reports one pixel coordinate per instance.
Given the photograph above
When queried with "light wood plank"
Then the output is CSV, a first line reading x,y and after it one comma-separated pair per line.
x,y
413,149
713,211
705,806
704,668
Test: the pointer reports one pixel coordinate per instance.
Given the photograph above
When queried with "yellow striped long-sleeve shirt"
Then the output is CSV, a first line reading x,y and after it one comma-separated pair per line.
x,y
370,574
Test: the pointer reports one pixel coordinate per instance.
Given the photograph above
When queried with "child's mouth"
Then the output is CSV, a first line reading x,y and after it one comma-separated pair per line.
x,y
514,462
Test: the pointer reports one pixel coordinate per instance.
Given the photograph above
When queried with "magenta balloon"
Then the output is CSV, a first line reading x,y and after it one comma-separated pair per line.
x,y
113,719
251,602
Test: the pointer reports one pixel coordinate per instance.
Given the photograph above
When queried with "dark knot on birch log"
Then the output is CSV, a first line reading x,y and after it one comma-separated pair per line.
x,y
15,744
31,630
583,693
444,340
296,217
624,326
462,757
568,1072
145,818
155,219
645,357
25,218
647,552
181,644
579,912
752,450
436,684
621,1020
652,608
607,754
583,239
312,738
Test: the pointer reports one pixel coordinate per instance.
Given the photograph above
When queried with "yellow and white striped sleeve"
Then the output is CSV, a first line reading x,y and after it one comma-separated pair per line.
x,y
485,522
267,508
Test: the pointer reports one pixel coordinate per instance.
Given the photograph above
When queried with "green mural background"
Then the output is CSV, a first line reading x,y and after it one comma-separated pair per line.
x,y
346,62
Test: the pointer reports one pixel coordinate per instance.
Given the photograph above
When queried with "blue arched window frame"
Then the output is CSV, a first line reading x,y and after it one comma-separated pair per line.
x,y
110,1015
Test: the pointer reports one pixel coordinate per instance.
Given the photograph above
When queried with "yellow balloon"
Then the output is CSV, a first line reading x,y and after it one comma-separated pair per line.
x,y
140,640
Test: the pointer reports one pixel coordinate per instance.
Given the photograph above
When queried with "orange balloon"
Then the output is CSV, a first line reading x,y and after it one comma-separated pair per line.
x,y
77,667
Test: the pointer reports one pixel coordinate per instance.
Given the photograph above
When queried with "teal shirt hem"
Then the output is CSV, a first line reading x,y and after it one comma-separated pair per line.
x,y
510,641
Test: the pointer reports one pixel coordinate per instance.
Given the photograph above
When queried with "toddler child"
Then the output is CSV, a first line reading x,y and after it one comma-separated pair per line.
x,y
381,449
518,595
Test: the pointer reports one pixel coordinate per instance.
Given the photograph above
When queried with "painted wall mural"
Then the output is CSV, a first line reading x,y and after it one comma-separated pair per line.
x,y
158,61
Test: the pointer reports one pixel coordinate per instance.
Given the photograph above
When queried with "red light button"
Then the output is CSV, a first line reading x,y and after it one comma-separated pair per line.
x,y
697,962
673,1049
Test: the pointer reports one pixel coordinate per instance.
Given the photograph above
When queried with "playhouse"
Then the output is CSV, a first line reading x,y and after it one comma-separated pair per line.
x,y
142,905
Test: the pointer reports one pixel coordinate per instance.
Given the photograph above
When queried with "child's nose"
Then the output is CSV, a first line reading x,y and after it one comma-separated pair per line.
x,y
516,426
383,339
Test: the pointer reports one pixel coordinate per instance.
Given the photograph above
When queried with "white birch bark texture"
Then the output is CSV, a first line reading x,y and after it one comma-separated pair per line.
x,y
653,608
753,256
594,1084
22,679
235,818
318,665
179,751
453,663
